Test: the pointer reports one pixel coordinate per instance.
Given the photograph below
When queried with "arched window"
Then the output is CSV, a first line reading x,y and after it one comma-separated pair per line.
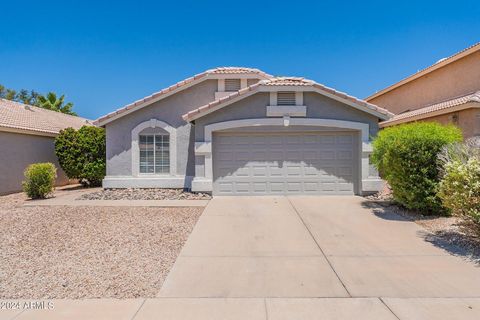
x,y
153,149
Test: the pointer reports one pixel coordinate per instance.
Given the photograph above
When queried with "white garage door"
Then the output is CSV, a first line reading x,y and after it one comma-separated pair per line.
x,y
285,163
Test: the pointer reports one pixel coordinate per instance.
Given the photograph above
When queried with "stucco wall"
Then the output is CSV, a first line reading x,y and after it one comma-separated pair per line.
x,y
318,106
169,110
455,79
17,151
468,120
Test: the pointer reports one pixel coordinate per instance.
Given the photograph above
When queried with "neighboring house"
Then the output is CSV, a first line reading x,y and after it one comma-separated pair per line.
x,y
240,131
447,92
27,136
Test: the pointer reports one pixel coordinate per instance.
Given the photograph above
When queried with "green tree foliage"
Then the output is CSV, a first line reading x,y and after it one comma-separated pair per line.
x,y
54,103
39,180
50,101
459,187
406,156
81,154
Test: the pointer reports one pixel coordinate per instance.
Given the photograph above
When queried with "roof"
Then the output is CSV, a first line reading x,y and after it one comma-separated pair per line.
x,y
286,82
439,64
220,71
19,117
434,109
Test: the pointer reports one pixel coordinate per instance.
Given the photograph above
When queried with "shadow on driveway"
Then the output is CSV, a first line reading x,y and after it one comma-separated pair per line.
x,y
456,241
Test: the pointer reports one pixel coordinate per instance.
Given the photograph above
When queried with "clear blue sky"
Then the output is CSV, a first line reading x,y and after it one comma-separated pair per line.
x,y
104,55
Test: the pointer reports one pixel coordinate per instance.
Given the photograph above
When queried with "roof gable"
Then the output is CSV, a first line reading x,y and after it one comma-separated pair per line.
x,y
288,83
216,73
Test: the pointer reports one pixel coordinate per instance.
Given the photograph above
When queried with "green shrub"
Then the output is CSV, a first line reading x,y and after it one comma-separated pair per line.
x,y
406,156
81,154
39,180
459,188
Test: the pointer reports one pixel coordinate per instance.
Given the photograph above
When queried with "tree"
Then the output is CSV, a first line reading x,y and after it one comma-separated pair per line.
x,y
82,153
51,102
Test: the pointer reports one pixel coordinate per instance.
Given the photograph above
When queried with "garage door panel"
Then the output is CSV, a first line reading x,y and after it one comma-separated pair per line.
x,y
284,163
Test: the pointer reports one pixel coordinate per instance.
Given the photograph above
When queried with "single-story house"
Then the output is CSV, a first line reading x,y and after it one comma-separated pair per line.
x,y
241,131
27,136
446,92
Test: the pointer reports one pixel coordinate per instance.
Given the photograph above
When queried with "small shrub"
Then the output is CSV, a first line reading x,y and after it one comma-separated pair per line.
x,y
39,180
81,154
459,188
406,156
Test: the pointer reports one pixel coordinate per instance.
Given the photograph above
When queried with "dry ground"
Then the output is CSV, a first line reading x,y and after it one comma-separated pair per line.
x,y
88,252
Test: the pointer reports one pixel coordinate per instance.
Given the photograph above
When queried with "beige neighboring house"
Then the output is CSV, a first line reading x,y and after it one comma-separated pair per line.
x,y
447,92
27,136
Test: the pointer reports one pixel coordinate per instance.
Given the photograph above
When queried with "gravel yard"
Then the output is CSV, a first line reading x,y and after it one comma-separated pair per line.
x,y
144,194
88,252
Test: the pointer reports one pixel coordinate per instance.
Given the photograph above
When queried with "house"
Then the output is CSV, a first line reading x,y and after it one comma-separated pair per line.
x,y
241,131
27,136
447,92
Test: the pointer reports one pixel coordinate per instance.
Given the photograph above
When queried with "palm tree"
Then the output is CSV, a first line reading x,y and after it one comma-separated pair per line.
x,y
51,102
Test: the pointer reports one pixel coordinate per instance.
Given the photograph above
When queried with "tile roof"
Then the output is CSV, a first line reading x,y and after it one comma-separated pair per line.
x,y
436,65
20,116
284,81
181,84
441,106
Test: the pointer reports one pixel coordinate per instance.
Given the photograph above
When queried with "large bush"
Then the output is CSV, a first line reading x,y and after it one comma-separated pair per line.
x,y
406,156
81,154
459,188
39,180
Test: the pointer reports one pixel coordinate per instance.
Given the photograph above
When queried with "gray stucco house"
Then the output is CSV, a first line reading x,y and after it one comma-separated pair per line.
x,y
240,131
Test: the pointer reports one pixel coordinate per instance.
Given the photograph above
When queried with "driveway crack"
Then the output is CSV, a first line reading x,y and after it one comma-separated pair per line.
x,y
319,247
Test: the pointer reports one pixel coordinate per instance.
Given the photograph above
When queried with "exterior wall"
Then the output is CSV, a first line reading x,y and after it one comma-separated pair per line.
x,y
254,107
17,151
321,111
468,120
168,110
455,79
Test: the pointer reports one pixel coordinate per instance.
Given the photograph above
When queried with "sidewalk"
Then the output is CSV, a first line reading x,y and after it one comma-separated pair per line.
x,y
255,308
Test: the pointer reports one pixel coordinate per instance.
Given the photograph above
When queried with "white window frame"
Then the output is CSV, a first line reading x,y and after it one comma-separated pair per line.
x,y
155,135
172,133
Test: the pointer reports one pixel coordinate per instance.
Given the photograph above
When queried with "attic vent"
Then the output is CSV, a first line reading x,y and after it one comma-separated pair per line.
x,y
286,99
232,84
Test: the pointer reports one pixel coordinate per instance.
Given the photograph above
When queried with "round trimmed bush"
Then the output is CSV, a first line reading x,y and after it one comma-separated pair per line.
x,y
406,156
82,153
39,180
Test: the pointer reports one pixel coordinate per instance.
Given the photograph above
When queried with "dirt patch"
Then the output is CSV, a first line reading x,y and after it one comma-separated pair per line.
x,y
88,252
144,194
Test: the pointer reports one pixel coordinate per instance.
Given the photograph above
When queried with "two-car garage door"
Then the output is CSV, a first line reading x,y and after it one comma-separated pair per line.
x,y
285,163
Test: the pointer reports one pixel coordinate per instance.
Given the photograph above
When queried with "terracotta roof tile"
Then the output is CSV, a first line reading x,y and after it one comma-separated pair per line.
x,y
441,106
21,116
284,81
219,70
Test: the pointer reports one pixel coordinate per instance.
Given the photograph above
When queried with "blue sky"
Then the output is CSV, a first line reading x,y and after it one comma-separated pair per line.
x,y
103,55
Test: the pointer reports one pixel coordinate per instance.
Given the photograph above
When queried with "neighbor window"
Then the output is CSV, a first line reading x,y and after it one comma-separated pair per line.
x,y
286,99
154,153
232,84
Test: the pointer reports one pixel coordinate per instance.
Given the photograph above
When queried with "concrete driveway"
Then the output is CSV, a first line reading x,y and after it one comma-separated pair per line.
x,y
314,257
